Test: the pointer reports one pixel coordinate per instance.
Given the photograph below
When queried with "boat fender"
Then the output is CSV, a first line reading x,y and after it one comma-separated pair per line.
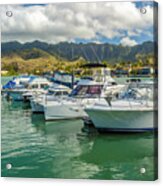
x,y
75,109
108,100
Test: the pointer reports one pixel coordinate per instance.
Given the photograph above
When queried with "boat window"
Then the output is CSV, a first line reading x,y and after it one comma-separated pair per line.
x,y
94,90
133,80
113,83
34,86
50,92
65,93
44,86
58,93
85,90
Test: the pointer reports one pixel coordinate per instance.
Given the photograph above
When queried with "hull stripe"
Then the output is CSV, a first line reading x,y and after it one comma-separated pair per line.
x,y
126,129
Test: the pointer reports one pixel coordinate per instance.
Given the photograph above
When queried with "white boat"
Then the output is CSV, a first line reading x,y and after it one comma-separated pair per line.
x,y
36,85
86,93
124,115
30,94
56,91
72,106
23,80
17,82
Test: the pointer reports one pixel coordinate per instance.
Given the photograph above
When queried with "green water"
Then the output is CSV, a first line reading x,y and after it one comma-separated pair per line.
x,y
36,148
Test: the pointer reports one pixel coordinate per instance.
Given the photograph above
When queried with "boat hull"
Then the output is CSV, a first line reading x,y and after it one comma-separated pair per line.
x,y
36,107
63,112
16,96
122,121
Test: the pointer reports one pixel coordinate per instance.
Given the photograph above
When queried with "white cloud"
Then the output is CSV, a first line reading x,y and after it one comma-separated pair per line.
x,y
126,41
67,21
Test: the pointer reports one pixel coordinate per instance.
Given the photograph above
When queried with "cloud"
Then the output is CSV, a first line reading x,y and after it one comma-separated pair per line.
x,y
67,21
126,41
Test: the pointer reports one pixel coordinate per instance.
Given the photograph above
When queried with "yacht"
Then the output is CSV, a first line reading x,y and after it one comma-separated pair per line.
x,y
72,106
55,92
135,113
85,93
34,85
17,82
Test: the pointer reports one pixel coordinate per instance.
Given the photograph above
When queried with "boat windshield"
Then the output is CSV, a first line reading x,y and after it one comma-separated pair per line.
x,y
58,93
44,86
87,91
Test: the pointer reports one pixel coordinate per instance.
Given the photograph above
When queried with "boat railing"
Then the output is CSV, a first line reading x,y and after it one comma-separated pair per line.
x,y
142,96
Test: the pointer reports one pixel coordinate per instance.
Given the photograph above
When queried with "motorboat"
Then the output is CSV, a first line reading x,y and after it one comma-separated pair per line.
x,y
135,113
35,85
72,106
55,92
17,82
122,116
85,93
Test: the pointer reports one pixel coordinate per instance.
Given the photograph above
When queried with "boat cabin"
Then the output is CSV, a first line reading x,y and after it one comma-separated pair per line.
x,y
59,90
87,88
39,83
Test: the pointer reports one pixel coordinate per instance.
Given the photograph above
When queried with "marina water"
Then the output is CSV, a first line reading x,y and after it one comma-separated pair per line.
x,y
61,149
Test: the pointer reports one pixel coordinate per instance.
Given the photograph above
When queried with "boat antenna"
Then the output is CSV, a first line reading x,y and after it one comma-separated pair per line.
x,y
95,54
72,52
85,55
73,73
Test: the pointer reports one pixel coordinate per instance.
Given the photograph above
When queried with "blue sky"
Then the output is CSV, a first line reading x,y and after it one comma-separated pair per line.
x,y
143,37
28,5
141,4
116,40
114,22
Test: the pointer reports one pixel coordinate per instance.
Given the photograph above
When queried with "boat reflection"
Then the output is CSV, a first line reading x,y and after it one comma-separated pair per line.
x,y
16,106
50,127
121,154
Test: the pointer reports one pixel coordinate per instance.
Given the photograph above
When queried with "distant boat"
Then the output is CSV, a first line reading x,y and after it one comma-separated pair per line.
x,y
34,86
64,78
17,82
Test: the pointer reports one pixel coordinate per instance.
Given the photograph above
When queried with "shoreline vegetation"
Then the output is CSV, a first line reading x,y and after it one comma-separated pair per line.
x,y
37,61
15,65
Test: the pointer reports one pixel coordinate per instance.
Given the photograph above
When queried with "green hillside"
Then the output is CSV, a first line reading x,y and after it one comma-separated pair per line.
x,y
38,57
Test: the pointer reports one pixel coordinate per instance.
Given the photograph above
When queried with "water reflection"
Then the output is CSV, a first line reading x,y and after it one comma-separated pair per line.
x,y
61,150
122,156
112,156
63,127
15,105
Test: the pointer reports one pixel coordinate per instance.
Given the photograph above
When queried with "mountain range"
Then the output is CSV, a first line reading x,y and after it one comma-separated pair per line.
x,y
91,52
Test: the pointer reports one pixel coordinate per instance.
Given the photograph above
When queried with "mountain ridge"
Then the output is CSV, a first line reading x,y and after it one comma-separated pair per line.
x,y
92,52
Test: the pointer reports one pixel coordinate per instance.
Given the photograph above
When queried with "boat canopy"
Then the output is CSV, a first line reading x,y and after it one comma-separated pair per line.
x,y
39,80
89,90
88,82
9,85
93,65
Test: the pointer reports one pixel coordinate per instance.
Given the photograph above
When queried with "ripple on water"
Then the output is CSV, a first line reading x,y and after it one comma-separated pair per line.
x,y
36,148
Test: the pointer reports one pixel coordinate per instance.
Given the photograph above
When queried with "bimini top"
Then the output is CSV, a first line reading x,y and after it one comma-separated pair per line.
x,y
58,87
89,82
93,65
39,80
